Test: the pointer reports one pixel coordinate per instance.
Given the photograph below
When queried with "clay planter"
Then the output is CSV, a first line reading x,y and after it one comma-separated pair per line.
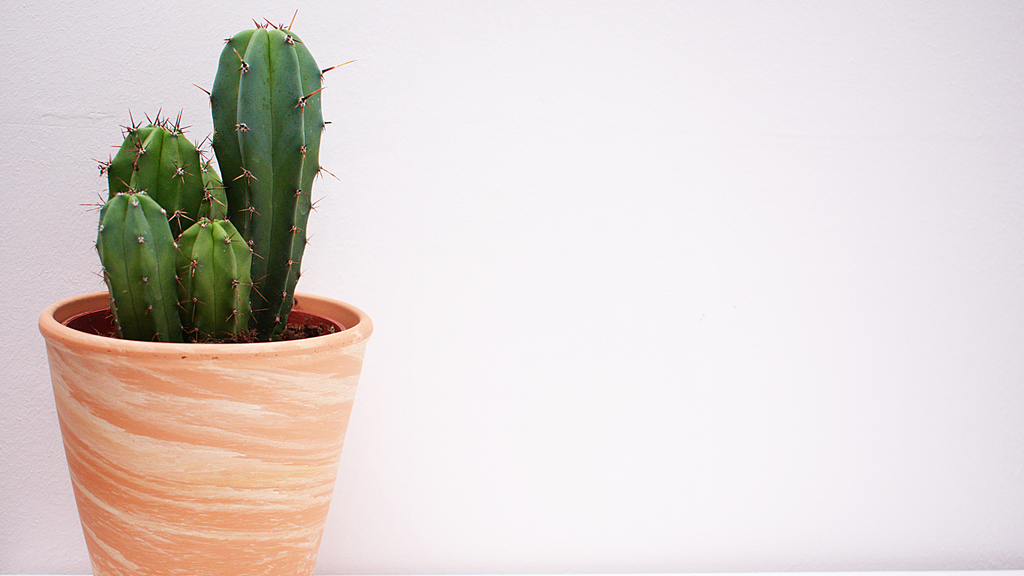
x,y
203,459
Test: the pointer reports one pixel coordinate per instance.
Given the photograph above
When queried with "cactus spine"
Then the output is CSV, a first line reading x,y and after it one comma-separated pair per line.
x,y
138,256
215,200
213,280
159,160
267,124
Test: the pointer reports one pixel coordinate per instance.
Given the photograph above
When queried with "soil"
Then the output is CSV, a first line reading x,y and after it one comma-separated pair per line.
x,y
300,325
291,332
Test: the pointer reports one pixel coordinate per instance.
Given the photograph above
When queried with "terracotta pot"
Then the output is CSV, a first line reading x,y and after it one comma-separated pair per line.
x,y
203,459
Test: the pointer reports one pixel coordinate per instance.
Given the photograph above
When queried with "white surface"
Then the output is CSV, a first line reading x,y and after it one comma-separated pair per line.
x,y
658,286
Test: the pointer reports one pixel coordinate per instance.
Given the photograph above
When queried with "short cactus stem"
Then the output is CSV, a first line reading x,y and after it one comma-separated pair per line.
x,y
213,280
138,255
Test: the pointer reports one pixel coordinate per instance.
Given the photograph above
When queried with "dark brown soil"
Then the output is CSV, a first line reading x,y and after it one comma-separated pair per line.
x,y
300,325
291,332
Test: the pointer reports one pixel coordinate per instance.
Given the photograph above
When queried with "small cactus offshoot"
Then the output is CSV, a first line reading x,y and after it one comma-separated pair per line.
x,y
158,159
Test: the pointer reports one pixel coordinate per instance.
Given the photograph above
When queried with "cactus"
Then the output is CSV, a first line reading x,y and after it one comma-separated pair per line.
x,y
213,280
240,236
138,256
267,125
159,160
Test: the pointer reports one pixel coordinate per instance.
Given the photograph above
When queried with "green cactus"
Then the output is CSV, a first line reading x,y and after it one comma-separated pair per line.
x,y
242,235
213,280
159,160
267,125
138,256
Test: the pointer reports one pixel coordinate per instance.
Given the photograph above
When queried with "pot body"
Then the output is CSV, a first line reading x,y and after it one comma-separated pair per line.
x,y
203,459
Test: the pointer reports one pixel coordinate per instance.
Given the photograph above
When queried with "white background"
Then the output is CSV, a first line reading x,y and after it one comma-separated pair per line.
x,y
657,285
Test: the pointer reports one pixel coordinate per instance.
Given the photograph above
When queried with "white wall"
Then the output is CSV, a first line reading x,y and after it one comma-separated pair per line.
x,y
657,286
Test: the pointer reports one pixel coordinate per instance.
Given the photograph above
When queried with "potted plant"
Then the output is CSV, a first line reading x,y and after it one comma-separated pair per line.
x,y
202,402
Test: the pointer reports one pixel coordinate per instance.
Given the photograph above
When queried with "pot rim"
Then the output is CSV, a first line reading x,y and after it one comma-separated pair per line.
x,y
51,325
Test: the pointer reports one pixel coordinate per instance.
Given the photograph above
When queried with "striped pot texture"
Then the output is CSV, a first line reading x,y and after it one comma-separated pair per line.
x,y
203,459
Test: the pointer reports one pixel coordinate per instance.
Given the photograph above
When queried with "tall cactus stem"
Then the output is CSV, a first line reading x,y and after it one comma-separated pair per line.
x,y
267,127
